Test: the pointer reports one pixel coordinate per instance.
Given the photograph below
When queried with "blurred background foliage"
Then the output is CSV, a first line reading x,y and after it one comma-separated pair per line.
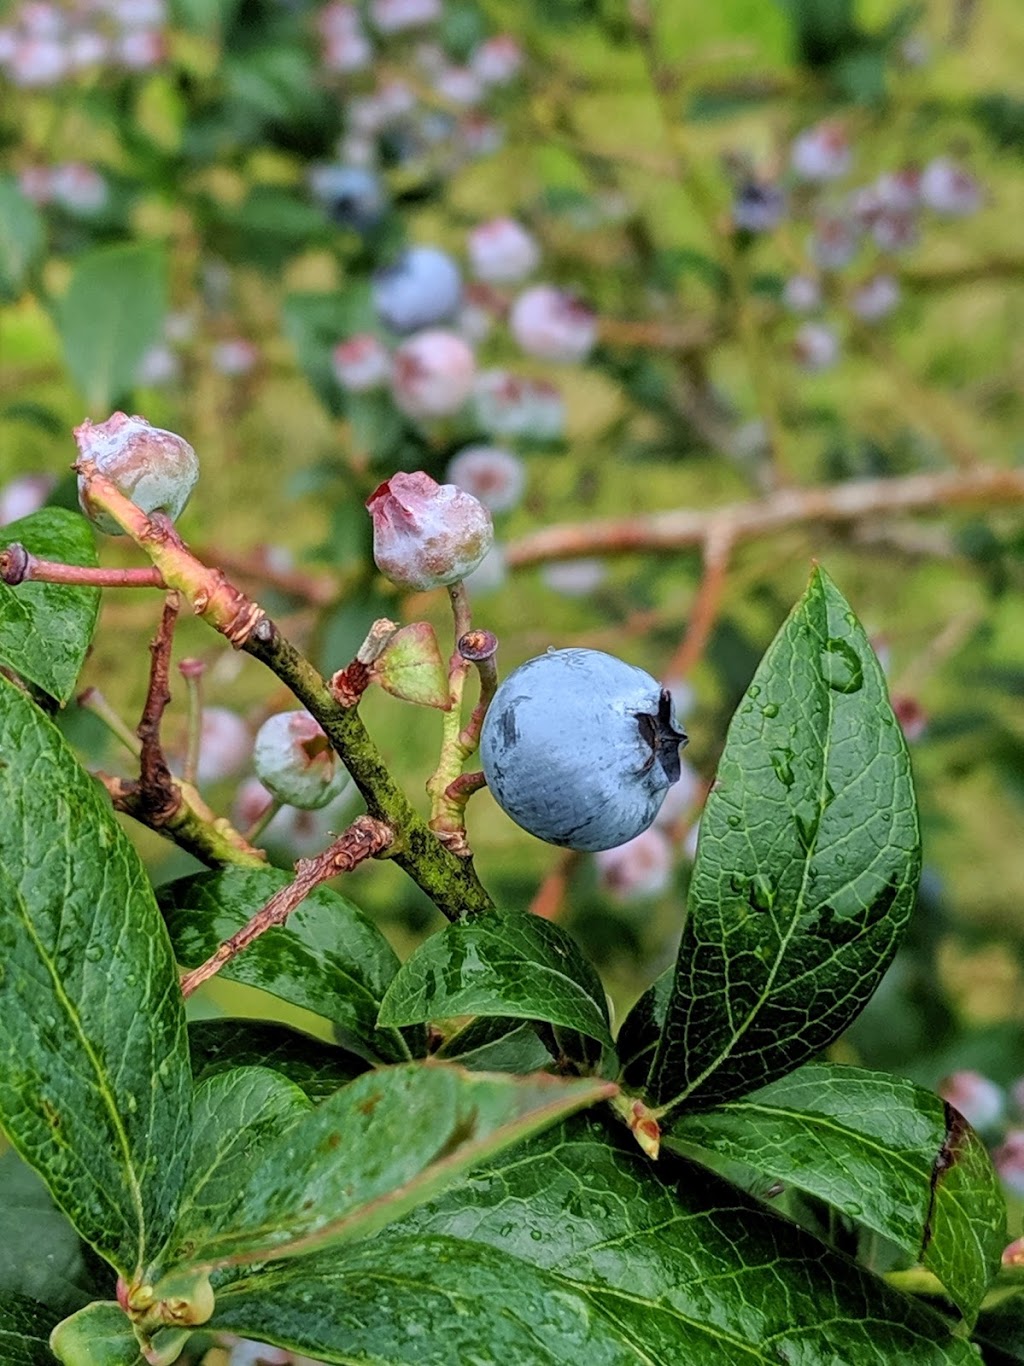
x,y
190,266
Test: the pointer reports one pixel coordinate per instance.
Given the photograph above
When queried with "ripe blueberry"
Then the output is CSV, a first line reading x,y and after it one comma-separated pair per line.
x,y
579,748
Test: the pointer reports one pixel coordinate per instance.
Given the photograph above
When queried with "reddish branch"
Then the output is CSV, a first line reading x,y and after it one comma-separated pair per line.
x,y
18,565
683,528
365,838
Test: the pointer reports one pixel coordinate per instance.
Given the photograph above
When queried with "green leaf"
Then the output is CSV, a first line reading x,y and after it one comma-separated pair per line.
x,y
585,1255
1001,1330
40,1253
315,323
22,238
390,1140
503,963
318,1069
889,1154
410,667
98,1335
45,628
328,958
236,1115
637,1040
496,1044
806,869
24,1331
94,1077
112,313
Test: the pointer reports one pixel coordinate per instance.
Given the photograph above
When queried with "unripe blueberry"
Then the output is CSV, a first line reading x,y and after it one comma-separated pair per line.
x,y
225,745
949,189
497,60
515,405
158,366
502,252
296,833
1008,1160
422,288
23,496
822,152
494,476
396,16
899,190
816,347
579,748
895,230
801,294
234,357
353,196
642,867
875,298
361,363
758,207
294,759
433,374
427,535
553,324
156,469
979,1100
834,242
459,85
79,187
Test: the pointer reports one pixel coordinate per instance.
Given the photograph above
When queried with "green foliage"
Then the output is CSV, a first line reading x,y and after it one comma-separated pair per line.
x,y
22,238
46,628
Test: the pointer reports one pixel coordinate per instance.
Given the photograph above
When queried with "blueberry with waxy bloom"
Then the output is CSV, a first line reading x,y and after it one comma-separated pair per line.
x,y
156,469
642,867
294,760
579,748
502,252
425,534
433,374
553,324
950,190
979,1099
495,476
822,153
361,363
421,289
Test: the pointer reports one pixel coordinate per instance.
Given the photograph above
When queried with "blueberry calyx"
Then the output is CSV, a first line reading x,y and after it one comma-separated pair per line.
x,y
665,741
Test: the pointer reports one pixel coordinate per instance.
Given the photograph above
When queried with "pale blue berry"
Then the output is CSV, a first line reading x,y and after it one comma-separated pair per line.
x,y
421,289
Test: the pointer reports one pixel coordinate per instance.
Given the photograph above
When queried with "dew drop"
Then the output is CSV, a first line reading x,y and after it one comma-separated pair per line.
x,y
94,953
761,893
536,1234
770,709
754,690
507,1230
853,1209
807,828
840,859
841,666
734,821
782,763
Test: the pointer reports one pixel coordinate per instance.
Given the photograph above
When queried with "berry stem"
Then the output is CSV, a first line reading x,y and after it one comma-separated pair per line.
x,y
447,799
263,819
93,700
191,671
18,565
365,838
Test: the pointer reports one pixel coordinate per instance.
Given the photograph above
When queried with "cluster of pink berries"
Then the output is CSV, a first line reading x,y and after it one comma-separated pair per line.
x,y
869,226
44,44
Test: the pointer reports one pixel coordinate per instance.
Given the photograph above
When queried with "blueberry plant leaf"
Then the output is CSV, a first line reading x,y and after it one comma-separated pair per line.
x,y
506,963
493,1043
46,628
580,1241
235,1115
1000,1331
22,238
318,1069
100,1335
24,1331
328,957
411,668
386,1142
113,311
40,1252
891,1155
806,869
637,1040
95,1087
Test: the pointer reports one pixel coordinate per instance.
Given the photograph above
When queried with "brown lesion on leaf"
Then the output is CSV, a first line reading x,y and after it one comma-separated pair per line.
x,y
958,1133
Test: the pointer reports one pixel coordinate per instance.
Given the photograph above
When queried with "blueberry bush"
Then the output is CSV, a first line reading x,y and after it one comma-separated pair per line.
x,y
502,931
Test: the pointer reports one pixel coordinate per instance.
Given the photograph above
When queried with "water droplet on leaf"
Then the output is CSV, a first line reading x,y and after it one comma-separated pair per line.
x,y
770,709
841,666
782,763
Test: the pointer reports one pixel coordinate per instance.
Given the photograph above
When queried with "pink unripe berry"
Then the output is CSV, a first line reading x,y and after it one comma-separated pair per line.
x,y
234,358
361,363
553,324
497,60
502,252
834,241
79,187
426,535
494,476
895,230
822,152
949,189
876,298
801,294
225,745
642,867
156,469
433,374
23,496
516,405
816,347
911,715
979,1100
395,16
1008,1160
294,759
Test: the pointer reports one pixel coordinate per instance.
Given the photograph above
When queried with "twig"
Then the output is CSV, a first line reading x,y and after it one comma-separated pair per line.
x,y
718,545
365,838
18,565
156,785
192,671
684,528
550,895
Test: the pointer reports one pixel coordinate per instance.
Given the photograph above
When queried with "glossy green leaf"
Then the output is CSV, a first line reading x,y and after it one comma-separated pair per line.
x,y
45,628
95,1087
411,668
40,1252
496,1044
504,963
889,1154
1001,1331
24,1331
637,1040
113,311
236,1115
21,239
318,1069
328,958
98,1335
807,865
584,1254
390,1140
